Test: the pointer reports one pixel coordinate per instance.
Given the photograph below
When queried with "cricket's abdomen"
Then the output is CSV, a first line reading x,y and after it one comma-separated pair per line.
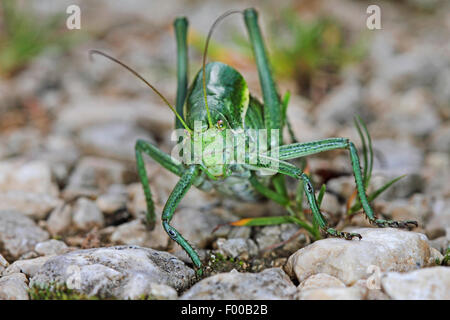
x,y
237,185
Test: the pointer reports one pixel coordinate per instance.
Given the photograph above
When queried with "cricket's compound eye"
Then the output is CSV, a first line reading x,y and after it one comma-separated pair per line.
x,y
220,125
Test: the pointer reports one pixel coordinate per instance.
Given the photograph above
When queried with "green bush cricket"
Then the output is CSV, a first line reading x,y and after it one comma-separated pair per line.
x,y
219,100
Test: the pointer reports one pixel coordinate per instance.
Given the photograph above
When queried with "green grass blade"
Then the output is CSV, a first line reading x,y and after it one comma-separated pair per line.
x,y
284,105
321,194
270,221
364,149
369,139
357,206
299,197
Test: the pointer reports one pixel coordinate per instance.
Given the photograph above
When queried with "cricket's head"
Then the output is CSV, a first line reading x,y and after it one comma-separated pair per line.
x,y
227,98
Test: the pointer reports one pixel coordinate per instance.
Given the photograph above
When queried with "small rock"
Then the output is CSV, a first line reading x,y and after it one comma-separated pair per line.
x,y
343,186
440,244
270,284
112,201
268,236
388,249
440,219
320,280
197,226
416,208
34,205
163,292
51,247
371,290
399,158
124,272
113,140
3,264
155,290
61,153
237,247
136,232
414,113
14,287
33,176
441,139
92,176
241,232
59,219
86,215
91,111
330,204
425,284
345,293
437,172
28,267
18,234
341,104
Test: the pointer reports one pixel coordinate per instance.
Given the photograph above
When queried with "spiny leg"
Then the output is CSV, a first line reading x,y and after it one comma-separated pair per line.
x,y
174,199
296,150
272,109
163,159
294,172
181,27
274,112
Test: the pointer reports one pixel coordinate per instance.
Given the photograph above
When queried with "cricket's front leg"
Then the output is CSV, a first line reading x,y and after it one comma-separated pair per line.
x,y
163,159
186,181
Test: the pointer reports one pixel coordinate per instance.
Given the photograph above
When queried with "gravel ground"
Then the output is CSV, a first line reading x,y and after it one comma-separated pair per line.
x,y
72,208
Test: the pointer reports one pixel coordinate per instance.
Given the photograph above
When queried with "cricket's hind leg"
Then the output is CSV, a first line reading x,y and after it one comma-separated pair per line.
x,y
297,150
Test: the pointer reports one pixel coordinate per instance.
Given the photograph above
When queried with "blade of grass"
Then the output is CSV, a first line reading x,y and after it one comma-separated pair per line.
x,y
364,149
270,221
321,194
357,206
369,139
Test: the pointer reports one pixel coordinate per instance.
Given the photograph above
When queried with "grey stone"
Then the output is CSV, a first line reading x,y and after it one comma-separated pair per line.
x,y
86,215
30,176
60,219
387,249
14,287
50,247
270,284
18,234
237,247
113,140
29,267
425,284
121,271
135,232
92,176
34,205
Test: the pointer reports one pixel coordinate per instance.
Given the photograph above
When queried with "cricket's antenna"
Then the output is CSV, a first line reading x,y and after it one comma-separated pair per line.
x,y
92,52
223,16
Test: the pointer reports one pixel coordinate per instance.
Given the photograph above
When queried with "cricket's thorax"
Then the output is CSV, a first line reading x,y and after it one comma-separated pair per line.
x,y
232,111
